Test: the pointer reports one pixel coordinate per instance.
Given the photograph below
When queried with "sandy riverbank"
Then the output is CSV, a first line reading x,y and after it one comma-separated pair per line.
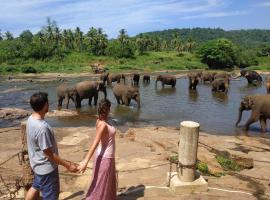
x,y
141,161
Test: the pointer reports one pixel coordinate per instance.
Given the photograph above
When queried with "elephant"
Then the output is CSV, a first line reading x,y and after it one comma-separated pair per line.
x,y
193,78
115,77
166,79
124,94
207,76
88,90
260,110
136,79
223,75
146,78
251,76
64,91
104,77
267,84
220,85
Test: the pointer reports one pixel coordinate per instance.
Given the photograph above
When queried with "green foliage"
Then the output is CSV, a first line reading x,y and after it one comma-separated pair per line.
x,y
219,54
202,167
28,69
227,164
53,49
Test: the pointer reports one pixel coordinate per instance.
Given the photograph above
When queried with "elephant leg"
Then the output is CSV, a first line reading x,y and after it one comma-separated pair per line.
x,y
67,103
162,85
60,101
90,100
263,124
126,101
95,99
253,118
79,103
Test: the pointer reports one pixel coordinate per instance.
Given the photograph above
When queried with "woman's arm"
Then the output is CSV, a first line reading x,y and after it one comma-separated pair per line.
x,y
101,129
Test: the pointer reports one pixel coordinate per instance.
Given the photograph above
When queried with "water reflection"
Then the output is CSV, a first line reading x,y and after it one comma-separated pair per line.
x,y
220,97
165,91
193,95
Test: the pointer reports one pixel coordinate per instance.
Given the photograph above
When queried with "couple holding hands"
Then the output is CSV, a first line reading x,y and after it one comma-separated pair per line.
x,y
44,158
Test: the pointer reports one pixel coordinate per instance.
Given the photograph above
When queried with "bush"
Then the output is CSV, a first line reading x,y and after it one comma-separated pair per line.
x,y
29,69
11,69
219,54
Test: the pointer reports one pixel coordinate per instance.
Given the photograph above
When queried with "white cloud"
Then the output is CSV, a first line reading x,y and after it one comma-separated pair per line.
x,y
112,15
217,14
265,4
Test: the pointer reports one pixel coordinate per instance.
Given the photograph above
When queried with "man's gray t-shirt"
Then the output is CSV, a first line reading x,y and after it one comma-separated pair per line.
x,y
40,136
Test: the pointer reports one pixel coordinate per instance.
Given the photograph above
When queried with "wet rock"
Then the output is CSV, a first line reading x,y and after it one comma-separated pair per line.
x,y
13,113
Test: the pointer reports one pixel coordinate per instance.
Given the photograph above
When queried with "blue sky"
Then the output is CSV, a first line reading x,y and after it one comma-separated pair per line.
x,y
134,15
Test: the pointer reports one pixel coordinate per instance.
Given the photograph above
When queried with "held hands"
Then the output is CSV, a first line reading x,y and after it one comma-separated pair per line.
x,y
72,167
82,166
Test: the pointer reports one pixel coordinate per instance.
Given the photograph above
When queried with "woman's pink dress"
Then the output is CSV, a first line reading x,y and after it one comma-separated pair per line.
x,y
103,186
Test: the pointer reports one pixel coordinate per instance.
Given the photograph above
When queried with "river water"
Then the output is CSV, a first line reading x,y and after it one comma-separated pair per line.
x,y
216,112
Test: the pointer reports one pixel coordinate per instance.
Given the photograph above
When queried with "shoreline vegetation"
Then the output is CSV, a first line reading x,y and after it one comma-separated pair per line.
x,y
150,62
53,49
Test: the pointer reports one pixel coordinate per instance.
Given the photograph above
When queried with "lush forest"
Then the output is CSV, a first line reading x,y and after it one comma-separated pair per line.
x,y
53,49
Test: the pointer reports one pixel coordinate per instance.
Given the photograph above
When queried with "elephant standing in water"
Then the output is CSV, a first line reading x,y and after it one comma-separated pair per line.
x,y
115,77
88,90
124,94
166,79
260,110
136,79
251,76
220,85
193,78
104,77
146,78
64,91
207,76
222,75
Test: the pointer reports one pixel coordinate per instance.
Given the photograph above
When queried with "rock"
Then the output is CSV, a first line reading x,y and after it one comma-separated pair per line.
x,y
242,159
13,113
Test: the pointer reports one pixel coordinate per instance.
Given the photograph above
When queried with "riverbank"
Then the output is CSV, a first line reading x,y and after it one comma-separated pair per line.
x,y
142,162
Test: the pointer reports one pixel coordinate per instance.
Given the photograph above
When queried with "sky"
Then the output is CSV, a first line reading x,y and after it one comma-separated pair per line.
x,y
136,16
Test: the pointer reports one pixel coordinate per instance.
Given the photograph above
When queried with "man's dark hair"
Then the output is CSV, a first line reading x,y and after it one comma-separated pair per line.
x,y
38,100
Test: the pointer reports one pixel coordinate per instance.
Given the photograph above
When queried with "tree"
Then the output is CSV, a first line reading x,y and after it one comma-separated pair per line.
x,y
8,36
220,53
26,36
96,41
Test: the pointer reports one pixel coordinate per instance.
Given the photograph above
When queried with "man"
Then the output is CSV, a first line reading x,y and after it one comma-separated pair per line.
x,y
43,152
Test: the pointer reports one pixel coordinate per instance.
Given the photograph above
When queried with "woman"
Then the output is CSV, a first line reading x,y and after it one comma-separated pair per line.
x,y
103,186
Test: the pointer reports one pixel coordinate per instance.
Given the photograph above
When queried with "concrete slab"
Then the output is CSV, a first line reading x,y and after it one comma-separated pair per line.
x,y
179,187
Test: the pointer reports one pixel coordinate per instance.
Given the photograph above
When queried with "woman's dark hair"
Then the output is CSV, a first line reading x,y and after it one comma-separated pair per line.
x,y
103,106
38,100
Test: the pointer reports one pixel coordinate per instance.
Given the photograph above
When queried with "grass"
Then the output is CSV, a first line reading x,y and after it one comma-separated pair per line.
x,y
148,62
200,166
80,62
228,164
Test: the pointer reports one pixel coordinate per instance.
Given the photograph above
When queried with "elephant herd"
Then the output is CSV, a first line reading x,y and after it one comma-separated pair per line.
x,y
258,104
124,93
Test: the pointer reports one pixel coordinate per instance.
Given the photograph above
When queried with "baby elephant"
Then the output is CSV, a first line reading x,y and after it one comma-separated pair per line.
x,y
220,85
124,94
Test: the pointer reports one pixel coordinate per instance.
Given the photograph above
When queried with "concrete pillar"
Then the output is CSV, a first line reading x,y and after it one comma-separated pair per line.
x,y
187,153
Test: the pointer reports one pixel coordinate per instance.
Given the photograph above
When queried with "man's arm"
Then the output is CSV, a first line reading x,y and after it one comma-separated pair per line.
x,y
70,166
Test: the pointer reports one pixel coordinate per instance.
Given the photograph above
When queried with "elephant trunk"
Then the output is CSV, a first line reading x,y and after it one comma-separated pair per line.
x,y
239,116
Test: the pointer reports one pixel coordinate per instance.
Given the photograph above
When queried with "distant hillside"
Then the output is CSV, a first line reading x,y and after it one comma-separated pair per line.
x,y
252,37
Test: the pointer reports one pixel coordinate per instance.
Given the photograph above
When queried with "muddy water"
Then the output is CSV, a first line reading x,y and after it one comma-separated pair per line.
x,y
216,112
